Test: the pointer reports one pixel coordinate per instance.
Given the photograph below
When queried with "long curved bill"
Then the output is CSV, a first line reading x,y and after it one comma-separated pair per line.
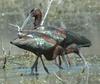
x,y
23,25
25,21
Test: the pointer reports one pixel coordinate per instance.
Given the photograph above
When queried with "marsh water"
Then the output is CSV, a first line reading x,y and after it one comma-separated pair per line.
x,y
19,73
80,16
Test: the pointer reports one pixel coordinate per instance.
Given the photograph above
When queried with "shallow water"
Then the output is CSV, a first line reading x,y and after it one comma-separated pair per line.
x,y
19,75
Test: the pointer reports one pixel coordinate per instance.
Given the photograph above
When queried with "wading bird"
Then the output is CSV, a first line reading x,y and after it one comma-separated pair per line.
x,y
70,41
65,40
39,44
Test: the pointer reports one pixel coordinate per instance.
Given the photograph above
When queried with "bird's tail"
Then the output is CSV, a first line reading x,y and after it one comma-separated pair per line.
x,y
84,42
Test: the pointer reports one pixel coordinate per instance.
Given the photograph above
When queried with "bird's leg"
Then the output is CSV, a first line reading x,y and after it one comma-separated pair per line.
x,y
59,62
73,48
57,52
87,67
65,60
68,59
55,62
5,61
82,58
44,65
60,51
78,53
34,65
36,70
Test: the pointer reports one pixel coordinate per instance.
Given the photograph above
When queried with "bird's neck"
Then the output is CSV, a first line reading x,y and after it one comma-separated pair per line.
x,y
37,21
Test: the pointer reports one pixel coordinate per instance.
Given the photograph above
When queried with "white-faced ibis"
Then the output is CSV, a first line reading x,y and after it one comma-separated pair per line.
x,y
39,44
70,41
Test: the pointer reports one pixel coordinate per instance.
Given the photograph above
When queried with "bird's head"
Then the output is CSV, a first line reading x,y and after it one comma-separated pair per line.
x,y
23,42
36,12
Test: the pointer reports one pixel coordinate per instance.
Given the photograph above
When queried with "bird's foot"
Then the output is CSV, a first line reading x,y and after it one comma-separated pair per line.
x,y
46,70
60,67
34,73
83,70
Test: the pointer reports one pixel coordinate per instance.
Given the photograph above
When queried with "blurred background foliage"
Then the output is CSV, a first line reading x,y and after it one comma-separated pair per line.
x,y
81,16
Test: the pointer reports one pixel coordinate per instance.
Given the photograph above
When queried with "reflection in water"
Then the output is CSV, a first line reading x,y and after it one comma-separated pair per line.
x,y
70,76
